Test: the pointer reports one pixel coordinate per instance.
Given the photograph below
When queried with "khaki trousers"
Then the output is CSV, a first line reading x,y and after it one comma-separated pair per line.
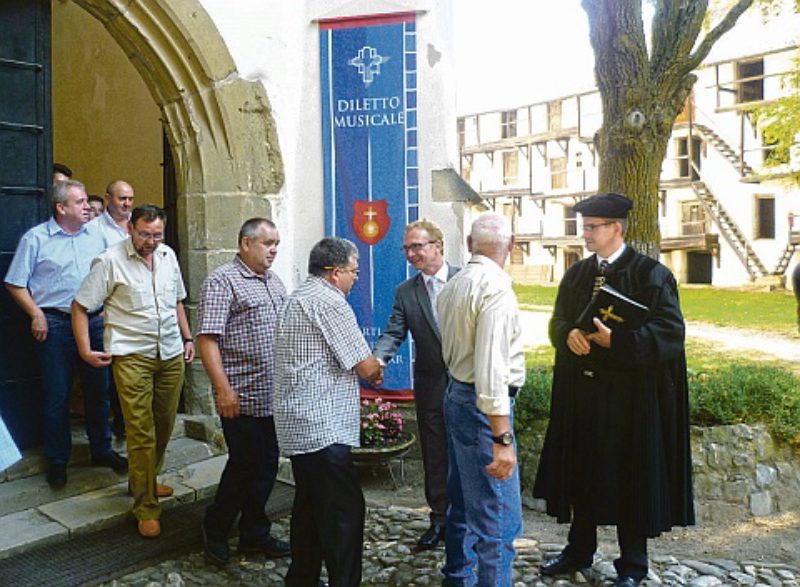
x,y
149,390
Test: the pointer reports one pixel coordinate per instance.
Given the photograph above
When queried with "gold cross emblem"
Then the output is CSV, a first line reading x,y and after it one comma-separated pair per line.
x,y
607,314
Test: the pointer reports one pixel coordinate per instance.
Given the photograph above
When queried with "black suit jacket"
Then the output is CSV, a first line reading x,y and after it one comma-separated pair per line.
x,y
412,312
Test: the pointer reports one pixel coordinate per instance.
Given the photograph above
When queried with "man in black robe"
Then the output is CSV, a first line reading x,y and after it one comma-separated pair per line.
x,y
617,446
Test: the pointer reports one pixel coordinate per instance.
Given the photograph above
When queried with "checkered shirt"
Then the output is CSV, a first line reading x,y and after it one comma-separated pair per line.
x,y
317,345
242,308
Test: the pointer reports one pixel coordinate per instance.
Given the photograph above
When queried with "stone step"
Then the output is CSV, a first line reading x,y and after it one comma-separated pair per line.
x,y
58,519
34,463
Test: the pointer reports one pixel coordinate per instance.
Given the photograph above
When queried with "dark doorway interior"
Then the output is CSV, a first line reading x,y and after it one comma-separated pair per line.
x,y
698,267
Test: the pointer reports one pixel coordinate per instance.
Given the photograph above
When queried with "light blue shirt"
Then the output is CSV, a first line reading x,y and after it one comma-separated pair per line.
x,y
112,232
52,263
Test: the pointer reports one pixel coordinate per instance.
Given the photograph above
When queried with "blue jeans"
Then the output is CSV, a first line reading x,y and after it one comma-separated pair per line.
x,y
485,513
58,357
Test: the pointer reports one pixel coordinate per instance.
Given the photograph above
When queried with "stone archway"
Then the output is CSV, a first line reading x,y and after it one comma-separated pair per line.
x,y
220,128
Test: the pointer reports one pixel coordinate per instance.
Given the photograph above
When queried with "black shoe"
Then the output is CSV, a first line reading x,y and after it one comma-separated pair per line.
x,y
432,536
215,551
113,461
271,547
561,565
57,476
627,582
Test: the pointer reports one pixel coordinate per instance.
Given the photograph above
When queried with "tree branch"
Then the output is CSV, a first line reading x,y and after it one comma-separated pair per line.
x,y
726,24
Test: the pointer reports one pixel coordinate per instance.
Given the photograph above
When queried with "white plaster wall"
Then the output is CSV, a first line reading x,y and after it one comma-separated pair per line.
x,y
276,43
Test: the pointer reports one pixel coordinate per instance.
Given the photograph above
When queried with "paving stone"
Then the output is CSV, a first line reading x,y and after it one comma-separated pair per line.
x,y
705,581
91,511
24,530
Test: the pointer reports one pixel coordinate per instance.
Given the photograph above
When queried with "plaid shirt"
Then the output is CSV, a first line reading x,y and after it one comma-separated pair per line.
x,y
241,308
316,388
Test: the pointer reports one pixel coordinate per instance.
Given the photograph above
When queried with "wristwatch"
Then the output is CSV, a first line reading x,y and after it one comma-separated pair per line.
x,y
506,439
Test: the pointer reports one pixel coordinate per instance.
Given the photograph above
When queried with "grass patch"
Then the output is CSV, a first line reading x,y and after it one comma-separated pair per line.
x,y
772,312
724,388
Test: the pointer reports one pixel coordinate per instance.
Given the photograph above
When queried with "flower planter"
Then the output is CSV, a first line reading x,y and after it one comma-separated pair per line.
x,y
384,456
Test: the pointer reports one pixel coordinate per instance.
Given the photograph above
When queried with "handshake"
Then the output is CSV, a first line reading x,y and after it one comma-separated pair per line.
x,y
371,369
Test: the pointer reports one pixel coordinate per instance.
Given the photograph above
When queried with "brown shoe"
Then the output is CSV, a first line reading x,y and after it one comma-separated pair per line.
x,y
164,490
149,528
161,490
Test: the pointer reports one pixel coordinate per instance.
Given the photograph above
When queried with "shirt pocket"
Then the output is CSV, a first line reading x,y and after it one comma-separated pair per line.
x,y
168,295
134,297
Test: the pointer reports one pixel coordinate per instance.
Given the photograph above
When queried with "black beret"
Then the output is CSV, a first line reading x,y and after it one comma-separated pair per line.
x,y
608,205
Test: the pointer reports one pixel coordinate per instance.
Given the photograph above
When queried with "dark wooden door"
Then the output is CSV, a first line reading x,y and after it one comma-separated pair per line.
x,y
25,174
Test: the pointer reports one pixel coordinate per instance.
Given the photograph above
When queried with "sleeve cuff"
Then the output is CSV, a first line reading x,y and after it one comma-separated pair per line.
x,y
494,406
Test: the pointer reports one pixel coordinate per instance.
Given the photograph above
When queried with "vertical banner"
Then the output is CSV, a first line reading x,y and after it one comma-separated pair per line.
x,y
369,135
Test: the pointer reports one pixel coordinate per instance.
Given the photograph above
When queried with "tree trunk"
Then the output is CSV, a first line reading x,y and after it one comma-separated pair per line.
x,y
643,90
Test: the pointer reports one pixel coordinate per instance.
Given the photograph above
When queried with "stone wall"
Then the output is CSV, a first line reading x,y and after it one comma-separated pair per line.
x,y
739,471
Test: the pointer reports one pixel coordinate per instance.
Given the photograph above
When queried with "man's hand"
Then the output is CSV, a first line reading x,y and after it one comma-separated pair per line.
x,y
188,351
505,459
97,359
39,326
578,342
371,370
603,335
228,404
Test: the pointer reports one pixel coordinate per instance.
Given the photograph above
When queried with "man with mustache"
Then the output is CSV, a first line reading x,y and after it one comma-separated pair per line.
x,y
147,335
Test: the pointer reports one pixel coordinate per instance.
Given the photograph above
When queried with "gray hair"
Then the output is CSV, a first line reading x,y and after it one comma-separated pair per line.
x,y
490,229
330,252
61,192
252,228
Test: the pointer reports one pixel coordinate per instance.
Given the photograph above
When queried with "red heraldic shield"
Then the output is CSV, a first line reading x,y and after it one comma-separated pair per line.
x,y
370,220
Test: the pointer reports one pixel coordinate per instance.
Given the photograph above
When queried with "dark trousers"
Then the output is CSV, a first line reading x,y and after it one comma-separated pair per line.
x,y
247,480
58,359
327,519
433,441
582,544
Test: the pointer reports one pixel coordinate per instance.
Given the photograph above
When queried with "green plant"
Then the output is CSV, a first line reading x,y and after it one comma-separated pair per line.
x,y
381,423
533,400
745,392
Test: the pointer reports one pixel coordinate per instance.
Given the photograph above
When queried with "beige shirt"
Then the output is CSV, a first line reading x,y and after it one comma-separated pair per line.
x,y
481,336
140,314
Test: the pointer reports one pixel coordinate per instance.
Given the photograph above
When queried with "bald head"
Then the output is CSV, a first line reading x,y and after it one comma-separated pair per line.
x,y
119,200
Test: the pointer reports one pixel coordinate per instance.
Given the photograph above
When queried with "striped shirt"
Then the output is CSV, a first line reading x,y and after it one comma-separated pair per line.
x,y
317,345
241,308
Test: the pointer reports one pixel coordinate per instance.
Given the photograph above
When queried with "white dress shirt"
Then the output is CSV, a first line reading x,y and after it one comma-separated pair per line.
x,y
434,284
112,231
481,335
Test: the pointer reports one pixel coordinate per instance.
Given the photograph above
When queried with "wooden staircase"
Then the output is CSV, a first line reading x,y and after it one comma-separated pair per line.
x,y
724,149
732,233
786,257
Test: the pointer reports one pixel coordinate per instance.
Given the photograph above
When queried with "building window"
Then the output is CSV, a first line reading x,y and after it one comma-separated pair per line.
x,y
554,116
765,217
693,219
570,221
749,80
682,148
461,126
508,124
558,173
510,167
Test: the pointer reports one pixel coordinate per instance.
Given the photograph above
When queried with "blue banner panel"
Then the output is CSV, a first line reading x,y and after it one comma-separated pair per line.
x,y
369,137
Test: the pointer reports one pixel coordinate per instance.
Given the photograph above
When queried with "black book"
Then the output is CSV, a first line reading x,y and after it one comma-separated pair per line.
x,y
614,309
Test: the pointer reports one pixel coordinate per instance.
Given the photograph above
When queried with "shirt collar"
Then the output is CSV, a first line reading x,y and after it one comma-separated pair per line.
x,y
440,275
613,256
325,283
247,272
159,250
54,227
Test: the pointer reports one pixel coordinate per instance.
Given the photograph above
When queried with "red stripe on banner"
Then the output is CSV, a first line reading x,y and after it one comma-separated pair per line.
x,y
350,22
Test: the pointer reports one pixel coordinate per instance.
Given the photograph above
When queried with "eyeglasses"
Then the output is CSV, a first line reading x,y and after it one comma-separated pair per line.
x,y
593,227
158,237
416,247
348,269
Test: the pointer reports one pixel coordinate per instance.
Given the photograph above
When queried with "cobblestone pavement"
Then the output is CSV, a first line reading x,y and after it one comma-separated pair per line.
x,y
389,561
